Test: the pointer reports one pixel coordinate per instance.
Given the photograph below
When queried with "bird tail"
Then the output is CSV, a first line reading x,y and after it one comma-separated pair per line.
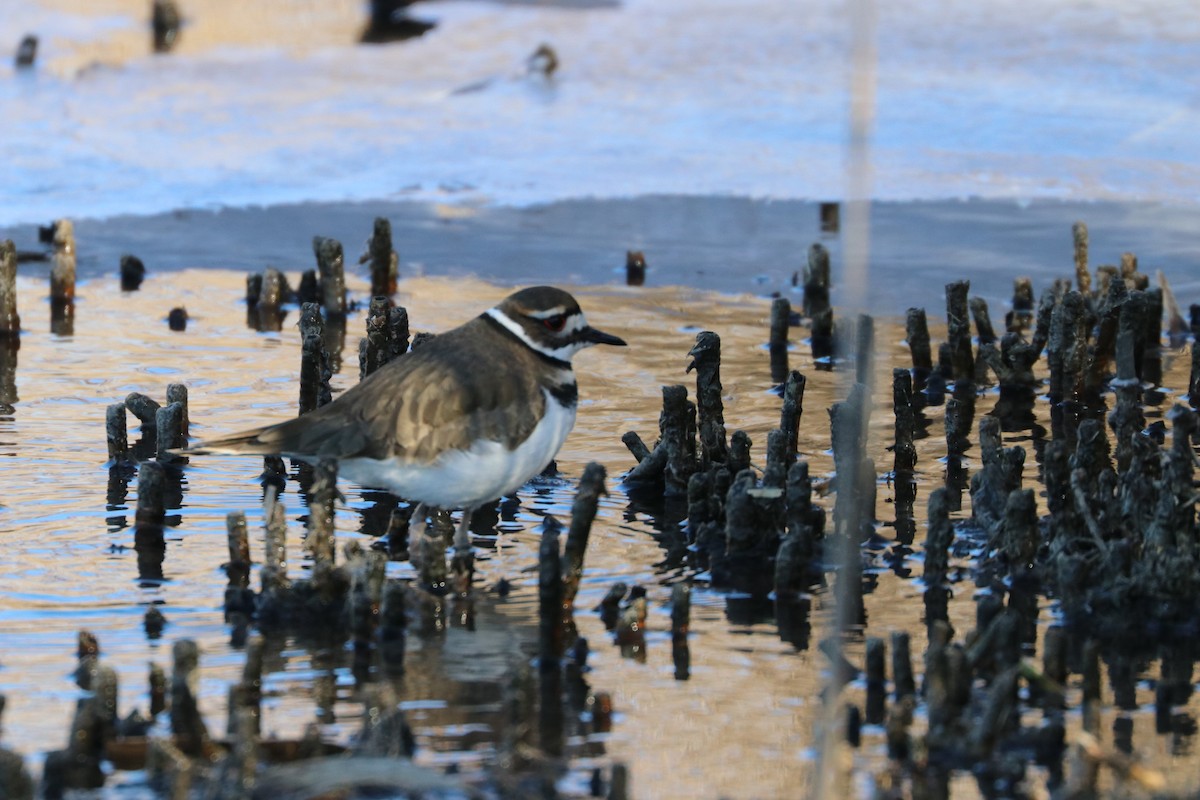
x,y
253,442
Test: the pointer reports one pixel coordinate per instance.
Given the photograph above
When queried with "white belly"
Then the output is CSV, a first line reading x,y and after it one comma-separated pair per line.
x,y
464,479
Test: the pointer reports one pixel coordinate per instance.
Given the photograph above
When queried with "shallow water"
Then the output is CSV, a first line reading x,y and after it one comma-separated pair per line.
x,y
276,103
742,725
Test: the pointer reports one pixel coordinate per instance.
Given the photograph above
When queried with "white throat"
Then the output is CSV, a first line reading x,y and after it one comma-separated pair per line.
x,y
563,353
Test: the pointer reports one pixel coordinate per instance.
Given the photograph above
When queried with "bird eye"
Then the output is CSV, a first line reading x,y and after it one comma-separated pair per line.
x,y
556,322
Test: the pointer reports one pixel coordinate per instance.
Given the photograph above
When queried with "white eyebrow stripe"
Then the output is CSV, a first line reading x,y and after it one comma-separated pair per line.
x,y
563,353
547,314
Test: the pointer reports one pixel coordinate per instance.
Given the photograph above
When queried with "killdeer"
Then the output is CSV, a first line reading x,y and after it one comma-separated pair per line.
x,y
468,417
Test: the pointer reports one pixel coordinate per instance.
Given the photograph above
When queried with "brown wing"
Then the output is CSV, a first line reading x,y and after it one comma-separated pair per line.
x,y
414,407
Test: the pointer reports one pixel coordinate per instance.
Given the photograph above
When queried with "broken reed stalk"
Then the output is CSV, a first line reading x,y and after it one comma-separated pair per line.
x,y
320,539
681,605
117,434
876,665
398,326
1021,315
904,449
169,432
791,412
430,556
133,272
368,572
375,349
1152,369
178,393
903,683
274,569
551,597
583,513
675,429
984,332
637,447
239,598
775,475
385,262
706,360
273,288
958,332
145,409
1083,278
816,282
191,734
938,539
254,288
1194,380
314,361
821,338
917,333
795,560
151,494
397,535
62,264
245,697
781,312
864,350
392,624
10,320
332,269
635,268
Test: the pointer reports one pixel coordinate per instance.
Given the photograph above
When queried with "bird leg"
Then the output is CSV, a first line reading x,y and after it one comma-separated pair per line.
x,y
462,565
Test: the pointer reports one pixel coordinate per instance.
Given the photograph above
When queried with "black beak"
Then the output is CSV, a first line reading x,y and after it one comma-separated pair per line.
x,y
593,336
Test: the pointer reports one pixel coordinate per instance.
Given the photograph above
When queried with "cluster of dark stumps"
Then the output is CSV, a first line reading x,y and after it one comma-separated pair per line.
x,y
348,603
1117,547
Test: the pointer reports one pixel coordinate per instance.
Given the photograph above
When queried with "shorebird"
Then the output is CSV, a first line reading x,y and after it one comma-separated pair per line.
x,y
468,417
